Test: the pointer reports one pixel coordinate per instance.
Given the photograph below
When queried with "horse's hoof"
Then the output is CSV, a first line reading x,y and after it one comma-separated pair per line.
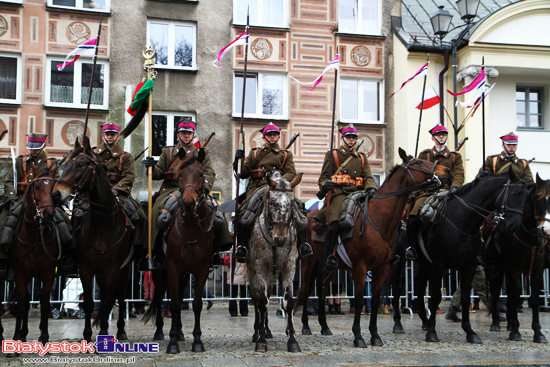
x,y
514,337
159,335
359,343
432,337
12,355
495,328
326,331
293,347
539,339
473,339
121,335
376,342
261,347
268,334
173,349
398,329
197,347
181,337
306,331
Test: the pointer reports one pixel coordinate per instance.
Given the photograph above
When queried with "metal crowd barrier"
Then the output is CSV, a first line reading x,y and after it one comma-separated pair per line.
x,y
217,289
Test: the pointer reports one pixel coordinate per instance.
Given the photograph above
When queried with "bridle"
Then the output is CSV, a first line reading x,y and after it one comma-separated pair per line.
x,y
268,223
38,214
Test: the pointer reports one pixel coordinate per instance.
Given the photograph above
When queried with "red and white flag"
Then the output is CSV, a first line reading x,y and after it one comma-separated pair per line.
x,y
476,100
239,41
423,71
85,49
335,64
478,80
197,142
431,98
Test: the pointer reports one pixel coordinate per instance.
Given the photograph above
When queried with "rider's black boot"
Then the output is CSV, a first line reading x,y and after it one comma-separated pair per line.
x,y
330,242
240,254
452,314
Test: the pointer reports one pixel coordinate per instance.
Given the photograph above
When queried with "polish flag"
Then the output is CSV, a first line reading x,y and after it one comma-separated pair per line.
x,y
431,98
423,71
477,81
239,41
197,142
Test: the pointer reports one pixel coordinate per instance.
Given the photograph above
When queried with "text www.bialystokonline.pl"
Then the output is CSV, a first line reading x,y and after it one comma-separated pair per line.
x,y
95,359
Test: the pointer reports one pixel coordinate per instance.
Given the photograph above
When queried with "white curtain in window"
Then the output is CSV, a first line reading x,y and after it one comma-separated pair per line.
x,y
347,15
349,99
251,92
273,12
241,7
369,17
370,101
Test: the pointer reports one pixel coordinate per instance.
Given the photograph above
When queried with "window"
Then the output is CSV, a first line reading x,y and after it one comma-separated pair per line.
x,y
529,103
360,101
266,95
164,129
12,1
175,43
359,16
88,5
71,86
266,13
10,83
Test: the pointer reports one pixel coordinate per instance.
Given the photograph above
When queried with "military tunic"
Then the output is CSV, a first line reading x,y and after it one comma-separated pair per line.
x,y
356,167
165,170
270,159
120,167
446,158
519,166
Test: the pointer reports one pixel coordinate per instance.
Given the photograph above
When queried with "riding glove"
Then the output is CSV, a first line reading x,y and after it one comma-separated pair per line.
x,y
370,191
149,162
452,190
115,192
328,186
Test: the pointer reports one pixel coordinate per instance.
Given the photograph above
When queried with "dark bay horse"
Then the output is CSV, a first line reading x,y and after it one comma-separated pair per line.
x,y
103,236
522,252
453,241
372,250
189,248
36,251
273,253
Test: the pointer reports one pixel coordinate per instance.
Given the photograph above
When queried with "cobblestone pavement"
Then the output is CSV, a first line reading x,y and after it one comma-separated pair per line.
x,y
227,341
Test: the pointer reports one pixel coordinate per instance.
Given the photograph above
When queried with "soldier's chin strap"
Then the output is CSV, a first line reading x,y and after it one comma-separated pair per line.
x,y
271,144
346,144
113,144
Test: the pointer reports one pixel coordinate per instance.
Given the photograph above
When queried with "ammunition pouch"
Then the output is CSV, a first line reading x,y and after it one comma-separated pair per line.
x,y
250,208
428,210
114,177
346,180
131,208
22,187
349,209
170,175
258,174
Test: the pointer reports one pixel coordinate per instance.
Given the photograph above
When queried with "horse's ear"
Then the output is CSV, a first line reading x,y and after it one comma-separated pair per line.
x,y
86,143
202,155
54,168
512,175
296,180
539,180
76,144
406,158
271,183
181,154
35,170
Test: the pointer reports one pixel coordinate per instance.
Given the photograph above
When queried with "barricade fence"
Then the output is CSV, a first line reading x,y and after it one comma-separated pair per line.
x,y
67,292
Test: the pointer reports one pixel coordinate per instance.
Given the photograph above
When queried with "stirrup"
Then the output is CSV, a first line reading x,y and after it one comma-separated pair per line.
x,y
4,268
240,254
305,250
410,254
331,263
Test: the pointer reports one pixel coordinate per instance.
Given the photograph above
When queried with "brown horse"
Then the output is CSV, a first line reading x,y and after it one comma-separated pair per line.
x,y
372,250
103,236
189,248
35,252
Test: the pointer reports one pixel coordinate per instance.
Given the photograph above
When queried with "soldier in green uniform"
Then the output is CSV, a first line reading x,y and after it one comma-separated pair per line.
x,y
261,161
16,184
352,172
451,160
121,173
165,170
499,163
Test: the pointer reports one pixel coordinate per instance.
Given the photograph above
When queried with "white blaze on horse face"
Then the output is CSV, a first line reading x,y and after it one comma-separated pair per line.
x,y
546,226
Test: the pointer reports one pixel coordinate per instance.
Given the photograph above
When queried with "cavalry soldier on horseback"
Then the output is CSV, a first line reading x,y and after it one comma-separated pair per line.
x,y
165,170
14,192
451,160
122,173
499,163
351,173
260,162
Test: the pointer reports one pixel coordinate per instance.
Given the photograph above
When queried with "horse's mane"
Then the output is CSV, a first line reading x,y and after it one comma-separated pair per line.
x,y
189,161
470,185
392,171
43,172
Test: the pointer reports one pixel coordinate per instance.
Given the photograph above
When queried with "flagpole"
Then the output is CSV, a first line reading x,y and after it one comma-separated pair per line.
x,y
242,138
92,79
483,113
149,61
421,108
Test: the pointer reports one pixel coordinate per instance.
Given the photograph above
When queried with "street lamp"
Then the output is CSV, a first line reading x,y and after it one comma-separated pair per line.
x,y
441,22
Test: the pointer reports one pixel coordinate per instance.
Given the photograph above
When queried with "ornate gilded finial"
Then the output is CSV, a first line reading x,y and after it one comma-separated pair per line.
x,y
149,55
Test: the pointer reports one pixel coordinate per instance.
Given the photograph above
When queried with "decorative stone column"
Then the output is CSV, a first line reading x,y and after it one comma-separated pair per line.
x,y
468,73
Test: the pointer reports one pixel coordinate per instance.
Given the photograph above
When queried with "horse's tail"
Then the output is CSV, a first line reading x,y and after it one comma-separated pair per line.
x,y
300,296
159,277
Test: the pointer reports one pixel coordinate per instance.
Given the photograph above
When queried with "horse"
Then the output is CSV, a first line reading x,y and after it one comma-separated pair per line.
x,y
453,241
189,248
103,236
522,252
36,251
371,250
273,253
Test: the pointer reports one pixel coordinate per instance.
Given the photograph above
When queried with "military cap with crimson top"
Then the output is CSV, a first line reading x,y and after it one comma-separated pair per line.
x,y
270,128
509,138
348,130
437,129
110,127
187,125
36,141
